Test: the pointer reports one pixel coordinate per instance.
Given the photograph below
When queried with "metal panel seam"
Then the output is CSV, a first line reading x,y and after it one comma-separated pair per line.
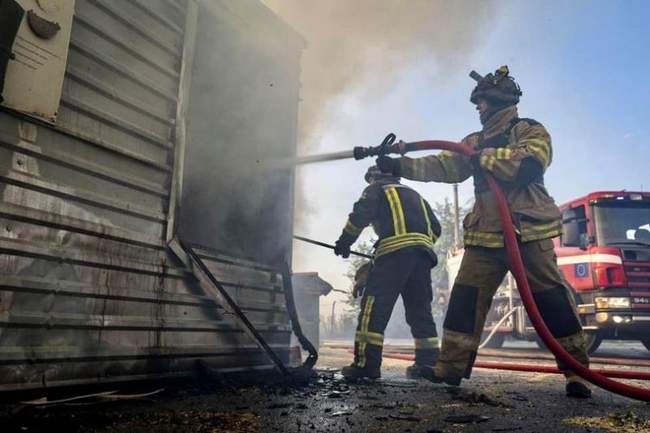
x,y
117,122
147,60
107,145
110,8
57,221
81,196
84,166
110,92
163,20
116,66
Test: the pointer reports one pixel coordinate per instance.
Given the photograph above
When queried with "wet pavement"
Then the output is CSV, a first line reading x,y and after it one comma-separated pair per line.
x,y
492,401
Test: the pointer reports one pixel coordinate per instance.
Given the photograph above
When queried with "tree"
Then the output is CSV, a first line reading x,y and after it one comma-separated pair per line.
x,y
446,243
445,213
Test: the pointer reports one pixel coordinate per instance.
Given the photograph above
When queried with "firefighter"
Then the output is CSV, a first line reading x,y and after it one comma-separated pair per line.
x,y
516,151
407,230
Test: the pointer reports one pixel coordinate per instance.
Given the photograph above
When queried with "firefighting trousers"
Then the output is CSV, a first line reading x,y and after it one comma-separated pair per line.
x,y
405,272
481,272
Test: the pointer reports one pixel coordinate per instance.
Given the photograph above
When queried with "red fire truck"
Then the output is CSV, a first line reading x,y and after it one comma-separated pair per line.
x,y
604,253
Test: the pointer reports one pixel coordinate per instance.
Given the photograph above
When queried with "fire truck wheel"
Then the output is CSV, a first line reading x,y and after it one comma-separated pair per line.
x,y
496,341
593,341
646,343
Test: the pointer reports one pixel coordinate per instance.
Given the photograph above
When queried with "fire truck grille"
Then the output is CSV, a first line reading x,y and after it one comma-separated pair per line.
x,y
638,273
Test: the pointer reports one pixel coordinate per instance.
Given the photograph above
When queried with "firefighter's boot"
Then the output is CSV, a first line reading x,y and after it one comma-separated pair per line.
x,y
354,372
577,388
417,371
425,359
430,375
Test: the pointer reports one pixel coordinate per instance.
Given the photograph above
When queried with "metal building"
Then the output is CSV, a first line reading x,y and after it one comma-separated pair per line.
x,y
126,134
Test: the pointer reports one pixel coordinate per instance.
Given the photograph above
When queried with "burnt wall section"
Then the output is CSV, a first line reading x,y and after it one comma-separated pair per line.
x,y
243,111
89,291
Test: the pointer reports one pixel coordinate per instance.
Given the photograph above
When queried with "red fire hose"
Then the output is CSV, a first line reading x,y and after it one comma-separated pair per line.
x,y
518,271
537,368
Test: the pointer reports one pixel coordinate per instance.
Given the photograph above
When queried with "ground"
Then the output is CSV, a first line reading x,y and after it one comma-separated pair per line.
x,y
492,401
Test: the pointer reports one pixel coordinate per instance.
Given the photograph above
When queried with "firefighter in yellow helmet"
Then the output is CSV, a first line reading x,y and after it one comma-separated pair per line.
x,y
517,152
407,230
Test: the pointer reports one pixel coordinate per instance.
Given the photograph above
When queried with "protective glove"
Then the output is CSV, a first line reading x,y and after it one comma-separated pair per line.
x,y
476,158
389,165
361,279
342,248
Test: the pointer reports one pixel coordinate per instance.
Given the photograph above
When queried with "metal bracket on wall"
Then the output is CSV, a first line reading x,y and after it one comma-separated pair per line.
x,y
214,288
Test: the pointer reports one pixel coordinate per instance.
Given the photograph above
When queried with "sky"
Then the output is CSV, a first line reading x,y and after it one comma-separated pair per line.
x,y
583,67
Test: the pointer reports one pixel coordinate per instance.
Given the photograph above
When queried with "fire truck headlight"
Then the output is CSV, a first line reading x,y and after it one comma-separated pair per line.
x,y
612,302
601,317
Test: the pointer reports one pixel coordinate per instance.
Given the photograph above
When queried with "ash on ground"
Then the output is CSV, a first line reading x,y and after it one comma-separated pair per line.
x,y
489,402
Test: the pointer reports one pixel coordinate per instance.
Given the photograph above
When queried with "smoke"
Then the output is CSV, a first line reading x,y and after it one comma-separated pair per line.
x,y
243,113
364,46
246,87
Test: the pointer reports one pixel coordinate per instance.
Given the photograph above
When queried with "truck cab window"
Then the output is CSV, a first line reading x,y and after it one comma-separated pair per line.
x,y
574,226
622,222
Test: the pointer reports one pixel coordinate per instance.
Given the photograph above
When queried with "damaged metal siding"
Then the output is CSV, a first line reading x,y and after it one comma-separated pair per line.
x,y
89,291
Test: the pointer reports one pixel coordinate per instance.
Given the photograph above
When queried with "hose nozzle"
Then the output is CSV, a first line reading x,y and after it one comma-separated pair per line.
x,y
387,146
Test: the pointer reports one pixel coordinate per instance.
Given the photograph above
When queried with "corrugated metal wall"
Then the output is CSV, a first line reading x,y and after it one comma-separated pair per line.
x,y
88,290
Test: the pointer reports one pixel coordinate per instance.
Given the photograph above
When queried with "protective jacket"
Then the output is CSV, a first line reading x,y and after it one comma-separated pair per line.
x,y
399,215
522,152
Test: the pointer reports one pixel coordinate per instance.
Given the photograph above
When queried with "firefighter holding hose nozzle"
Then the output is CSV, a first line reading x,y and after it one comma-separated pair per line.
x,y
407,229
516,151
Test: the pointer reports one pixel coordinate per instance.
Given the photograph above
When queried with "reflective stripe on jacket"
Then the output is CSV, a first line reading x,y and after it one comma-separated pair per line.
x,y
535,214
399,215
